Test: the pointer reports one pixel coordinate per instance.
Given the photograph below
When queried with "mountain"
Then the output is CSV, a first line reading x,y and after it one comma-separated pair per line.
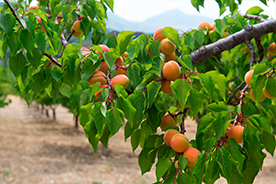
x,y
173,18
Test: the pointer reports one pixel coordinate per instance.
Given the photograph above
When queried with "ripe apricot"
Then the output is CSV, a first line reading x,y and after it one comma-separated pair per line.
x,y
168,120
125,54
103,67
33,8
119,61
97,76
168,135
253,96
76,28
158,35
268,95
192,155
236,133
59,17
166,86
98,93
213,26
205,26
39,20
272,49
120,79
179,143
171,70
121,70
169,57
167,46
103,48
248,76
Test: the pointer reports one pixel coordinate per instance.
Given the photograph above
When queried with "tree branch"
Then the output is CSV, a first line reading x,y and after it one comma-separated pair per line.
x,y
254,17
249,32
260,48
235,91
52,59
13,12
252,52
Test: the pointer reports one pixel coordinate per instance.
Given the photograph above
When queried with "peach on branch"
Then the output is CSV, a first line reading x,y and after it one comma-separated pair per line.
x,y
125,54
119,61
59,17
97,76
166,86
171,70
168,120
76,28
33,8
205,26
236,133
272,49
168,135
253,96
167,46
158,35
103,67
268,95
169,57
179,143
248,76
120,79
121,70
39,20
104,48
98,93
192,155
213,26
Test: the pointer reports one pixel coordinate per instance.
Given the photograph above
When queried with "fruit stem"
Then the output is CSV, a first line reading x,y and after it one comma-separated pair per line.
x,y
182,126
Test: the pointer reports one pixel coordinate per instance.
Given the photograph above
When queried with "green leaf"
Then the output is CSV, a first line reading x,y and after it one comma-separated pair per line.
x,y
65,90
138,101
146,159
128,109
186,61
185,178
98,118
271,86
255,10
91,132
217,107
89,67
189,41
172,34
114,120
135,139
207,83
110,57
220,81
40,40
34,57
162,167
7,21
183,162
221,123
27,40
37,82
257,85
152,90
123,39
221,25
224,163
199,169
84,115
30,23
181,90
195,102
110,4
17,63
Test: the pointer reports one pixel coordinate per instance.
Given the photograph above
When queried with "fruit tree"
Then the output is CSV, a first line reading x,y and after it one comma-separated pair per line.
x,y
221,75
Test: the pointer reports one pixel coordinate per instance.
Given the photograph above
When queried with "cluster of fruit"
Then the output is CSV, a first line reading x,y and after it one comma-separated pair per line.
x,y
100,74
248,80
171,69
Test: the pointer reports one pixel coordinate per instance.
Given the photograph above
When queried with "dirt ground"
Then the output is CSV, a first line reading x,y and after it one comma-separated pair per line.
x,y
34,149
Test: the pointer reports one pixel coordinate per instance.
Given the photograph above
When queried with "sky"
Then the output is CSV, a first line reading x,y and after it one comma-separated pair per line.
x,y
140,10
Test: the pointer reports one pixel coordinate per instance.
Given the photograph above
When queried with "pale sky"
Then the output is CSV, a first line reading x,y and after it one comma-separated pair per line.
x,y
140,10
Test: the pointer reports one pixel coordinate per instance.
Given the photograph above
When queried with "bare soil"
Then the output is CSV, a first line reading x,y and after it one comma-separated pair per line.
x,y
35,149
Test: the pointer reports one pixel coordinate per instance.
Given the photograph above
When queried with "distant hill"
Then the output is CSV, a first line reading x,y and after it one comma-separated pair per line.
x,y
173,18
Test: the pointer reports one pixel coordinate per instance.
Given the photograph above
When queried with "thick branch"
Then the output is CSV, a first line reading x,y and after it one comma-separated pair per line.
x,y
52,59
249,32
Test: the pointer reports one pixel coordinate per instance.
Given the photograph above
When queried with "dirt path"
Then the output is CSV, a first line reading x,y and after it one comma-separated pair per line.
x,y
35,149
